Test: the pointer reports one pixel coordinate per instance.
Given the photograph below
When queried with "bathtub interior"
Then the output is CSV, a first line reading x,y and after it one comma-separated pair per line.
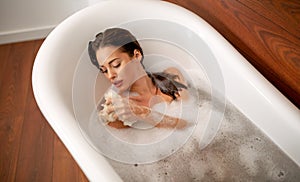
x,y
63,55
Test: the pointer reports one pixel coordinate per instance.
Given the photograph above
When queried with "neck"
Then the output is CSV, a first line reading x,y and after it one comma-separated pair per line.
x,y
143,86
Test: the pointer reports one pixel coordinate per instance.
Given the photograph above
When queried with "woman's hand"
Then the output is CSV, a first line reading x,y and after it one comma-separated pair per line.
x,y
129,111
107,112
126,111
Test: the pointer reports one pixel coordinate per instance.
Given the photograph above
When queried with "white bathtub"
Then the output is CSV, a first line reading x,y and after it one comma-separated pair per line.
x,y
59,56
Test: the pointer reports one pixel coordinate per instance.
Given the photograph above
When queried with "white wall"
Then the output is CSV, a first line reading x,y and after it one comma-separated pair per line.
x,y
33,19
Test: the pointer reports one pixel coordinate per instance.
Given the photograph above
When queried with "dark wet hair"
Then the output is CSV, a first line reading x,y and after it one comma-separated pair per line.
x,y
116,37
126,42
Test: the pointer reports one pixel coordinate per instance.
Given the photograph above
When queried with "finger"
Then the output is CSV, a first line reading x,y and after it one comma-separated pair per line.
x,y
108,101
117,104
128,118
110,109
121,111
115,116
136,98
118,101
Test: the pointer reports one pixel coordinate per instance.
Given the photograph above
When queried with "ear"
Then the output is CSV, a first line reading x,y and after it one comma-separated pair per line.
x,y
137,55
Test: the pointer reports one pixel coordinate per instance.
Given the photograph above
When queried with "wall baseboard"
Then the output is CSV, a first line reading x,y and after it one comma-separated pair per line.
x,y
25,34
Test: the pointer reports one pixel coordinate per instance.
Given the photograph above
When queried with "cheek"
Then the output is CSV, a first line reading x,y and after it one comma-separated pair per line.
x,y
127,76
106,76
130,72
122,72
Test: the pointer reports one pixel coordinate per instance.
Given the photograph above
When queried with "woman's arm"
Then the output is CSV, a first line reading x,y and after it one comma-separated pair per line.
x,y
117,124
161,120
134,112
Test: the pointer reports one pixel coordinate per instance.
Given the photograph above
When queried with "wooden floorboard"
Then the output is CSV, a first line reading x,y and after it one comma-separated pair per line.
x,y
35,160
30,150
13,94
4,53
63,167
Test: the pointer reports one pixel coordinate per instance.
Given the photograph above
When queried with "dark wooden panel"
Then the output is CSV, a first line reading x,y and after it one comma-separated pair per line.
x,y
36,148
13,94
265,32
4,54
30,150
64,167
10,132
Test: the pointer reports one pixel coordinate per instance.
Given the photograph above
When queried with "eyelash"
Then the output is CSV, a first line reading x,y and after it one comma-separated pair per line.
x,y
116,66
105,71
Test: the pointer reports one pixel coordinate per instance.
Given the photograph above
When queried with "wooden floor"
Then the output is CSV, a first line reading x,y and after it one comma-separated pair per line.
x,y
265,32
30,150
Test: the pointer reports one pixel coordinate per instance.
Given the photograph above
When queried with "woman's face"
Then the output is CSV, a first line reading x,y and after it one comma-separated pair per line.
x,y
114,65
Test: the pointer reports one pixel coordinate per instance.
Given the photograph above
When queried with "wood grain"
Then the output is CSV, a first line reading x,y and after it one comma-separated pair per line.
x,y
35,158
4,53
265,32
63,165
30,150
13,94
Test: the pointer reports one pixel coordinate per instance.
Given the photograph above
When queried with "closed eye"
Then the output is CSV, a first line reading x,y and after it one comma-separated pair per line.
x,y
103,70
116,66
115,63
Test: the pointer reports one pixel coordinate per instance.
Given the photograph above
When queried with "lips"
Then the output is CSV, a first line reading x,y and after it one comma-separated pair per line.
x,y
118,83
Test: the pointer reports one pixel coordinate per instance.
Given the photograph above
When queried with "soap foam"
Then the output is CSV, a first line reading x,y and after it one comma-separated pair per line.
x,y
132,145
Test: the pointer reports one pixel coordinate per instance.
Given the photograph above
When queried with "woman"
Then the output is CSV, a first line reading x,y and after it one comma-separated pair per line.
x,y
118,55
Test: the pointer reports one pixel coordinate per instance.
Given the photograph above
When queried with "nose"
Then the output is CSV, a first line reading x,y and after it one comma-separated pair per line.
x,y
111,74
